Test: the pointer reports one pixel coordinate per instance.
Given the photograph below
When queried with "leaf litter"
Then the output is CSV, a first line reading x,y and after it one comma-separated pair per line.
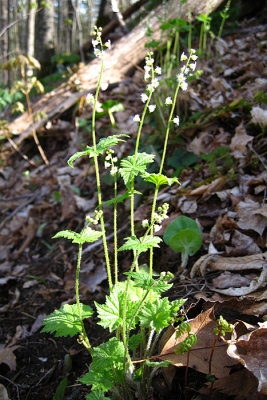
x,y
227,197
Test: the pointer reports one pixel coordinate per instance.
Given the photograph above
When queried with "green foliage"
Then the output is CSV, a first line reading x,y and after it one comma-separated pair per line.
x,y
131,167
160,179
87,235
183,235
140,245
59,395
65,58
187,344
66,321
223,326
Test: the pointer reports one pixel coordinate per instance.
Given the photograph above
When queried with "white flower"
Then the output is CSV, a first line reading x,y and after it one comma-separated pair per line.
x,y
95,42
185,70
158,70
146,76
98,53
113,170
157,228
176,120
104,86
193,51
150,88
108,44
184,86
194,57
136,118
90,98
193,66
147,68
155,83
144,97
152,108
115,159
168,101
180,77
107,164
183,57
145,223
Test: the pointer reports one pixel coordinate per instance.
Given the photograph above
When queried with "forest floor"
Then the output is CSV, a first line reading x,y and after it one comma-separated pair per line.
x,y
220,154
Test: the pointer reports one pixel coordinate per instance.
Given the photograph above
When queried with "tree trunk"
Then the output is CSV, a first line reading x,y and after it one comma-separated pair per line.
x,y
45,47
4,39
126,53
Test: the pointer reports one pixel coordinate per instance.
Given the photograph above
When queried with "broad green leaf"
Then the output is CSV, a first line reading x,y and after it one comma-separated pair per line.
x,y
140,245
87,235
156,314
78,154
143,280
135,340
59,395
129,170
160,179
111,312
186,241
97,395
178,225
66,320
106,368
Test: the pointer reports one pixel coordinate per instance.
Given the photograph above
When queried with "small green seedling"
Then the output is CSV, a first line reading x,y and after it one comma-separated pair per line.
x,y
183,236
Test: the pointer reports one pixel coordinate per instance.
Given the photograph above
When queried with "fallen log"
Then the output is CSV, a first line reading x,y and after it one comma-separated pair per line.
x,y
126,53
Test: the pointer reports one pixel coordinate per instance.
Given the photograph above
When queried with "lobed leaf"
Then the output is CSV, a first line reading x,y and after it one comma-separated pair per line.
x,y
140,245
78,154
160,179
129,169
156,314
66,321
143,280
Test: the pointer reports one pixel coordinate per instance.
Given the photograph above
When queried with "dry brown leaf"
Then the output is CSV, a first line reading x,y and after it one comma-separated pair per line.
x,y
8,357
3,393
203,326
251,350
251,216
239,141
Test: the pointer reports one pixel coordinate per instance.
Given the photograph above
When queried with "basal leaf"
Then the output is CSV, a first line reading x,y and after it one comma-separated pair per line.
x,y
156,314
186,241
143,280
100,381
178,225
97,395
78,155
66,320
160,179
135,340
129,170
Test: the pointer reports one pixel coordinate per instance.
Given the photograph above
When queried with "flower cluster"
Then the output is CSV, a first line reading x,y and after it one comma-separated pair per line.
x,y
158,217
97,41
110,161
94,220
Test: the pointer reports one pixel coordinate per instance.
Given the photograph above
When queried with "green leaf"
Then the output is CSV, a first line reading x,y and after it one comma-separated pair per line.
x,y
59,395
87,235
143,280
156,314
97,395
160,179
140,245
78,154
135,340
66,320
120,198
187,241
106,368
104,144
128,170
111,312
178,225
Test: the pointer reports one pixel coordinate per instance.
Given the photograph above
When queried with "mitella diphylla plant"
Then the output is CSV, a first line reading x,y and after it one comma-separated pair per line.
x,y
134,311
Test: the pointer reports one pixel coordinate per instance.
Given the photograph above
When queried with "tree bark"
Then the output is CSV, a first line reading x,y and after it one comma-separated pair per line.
x,y
126,53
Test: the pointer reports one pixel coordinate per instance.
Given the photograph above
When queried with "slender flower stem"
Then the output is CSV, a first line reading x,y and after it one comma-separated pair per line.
x,y
85,339
98,179
115,231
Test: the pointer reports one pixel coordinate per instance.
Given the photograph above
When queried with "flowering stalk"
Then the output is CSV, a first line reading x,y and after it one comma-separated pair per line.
x,y
181,78
100,53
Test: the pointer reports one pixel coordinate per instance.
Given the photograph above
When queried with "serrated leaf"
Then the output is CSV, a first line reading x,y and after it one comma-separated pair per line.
x,y
160,179
66,320
78,154
97,395
67,235
111,312
156,315
87,235
129,170
106,368
135,340
143,280
105,143
140,245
